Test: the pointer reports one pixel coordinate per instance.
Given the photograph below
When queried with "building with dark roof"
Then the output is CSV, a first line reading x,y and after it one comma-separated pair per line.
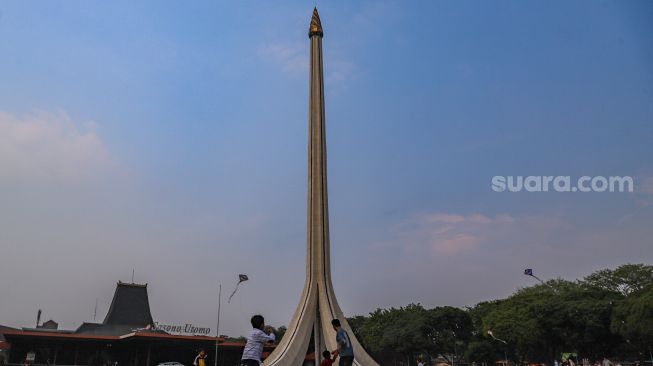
x,y
129,311
126,337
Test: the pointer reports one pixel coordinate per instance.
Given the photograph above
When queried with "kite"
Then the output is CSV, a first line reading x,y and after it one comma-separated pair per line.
x,y
241,278
529,272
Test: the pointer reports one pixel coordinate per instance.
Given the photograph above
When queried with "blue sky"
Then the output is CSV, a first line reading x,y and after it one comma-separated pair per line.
x,y
170,138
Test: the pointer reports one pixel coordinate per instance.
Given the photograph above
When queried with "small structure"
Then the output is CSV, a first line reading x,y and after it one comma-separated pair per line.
x,y
50,324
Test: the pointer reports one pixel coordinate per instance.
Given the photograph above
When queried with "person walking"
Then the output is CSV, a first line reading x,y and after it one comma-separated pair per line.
x,y
345,349
258,337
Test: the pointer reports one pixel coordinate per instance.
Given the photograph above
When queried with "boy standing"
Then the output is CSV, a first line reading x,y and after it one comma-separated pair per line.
x,y
255,342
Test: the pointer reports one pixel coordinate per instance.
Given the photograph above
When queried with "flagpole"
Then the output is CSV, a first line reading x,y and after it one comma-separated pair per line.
x,y
217,327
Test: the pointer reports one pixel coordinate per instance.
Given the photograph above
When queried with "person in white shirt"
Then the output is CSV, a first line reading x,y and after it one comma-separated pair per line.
x,y
259,336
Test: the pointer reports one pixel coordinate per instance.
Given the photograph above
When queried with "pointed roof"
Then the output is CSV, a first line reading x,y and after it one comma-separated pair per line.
x,y
316,26
130,306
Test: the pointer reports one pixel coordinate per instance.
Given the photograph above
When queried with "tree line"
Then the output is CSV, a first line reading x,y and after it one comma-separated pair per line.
x,y
607,314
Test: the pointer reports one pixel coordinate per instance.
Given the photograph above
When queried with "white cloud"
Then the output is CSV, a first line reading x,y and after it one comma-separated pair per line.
x,y
454,234
647,185
292,58
461,259
49,146
643,193
339,71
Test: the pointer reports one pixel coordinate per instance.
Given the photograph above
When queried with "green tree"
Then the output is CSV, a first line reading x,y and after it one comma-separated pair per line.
x,y
412,329
481,351
401,330
632,319
357,324
625,280
609,312
279,333
541,321
448,330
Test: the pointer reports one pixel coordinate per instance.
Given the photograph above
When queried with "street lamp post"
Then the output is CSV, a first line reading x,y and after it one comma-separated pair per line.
x,y
455,349
217,327
505,356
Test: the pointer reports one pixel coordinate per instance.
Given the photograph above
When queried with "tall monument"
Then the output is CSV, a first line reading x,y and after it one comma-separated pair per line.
x,y
318,304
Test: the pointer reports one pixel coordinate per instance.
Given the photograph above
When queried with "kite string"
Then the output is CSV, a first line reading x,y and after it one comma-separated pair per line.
x,y
233,293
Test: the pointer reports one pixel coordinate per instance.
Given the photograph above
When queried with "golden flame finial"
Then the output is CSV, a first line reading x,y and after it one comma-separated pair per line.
x,y
316,26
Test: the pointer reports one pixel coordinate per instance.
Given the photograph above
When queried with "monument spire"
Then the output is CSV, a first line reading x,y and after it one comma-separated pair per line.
x,y
316,26
318,304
